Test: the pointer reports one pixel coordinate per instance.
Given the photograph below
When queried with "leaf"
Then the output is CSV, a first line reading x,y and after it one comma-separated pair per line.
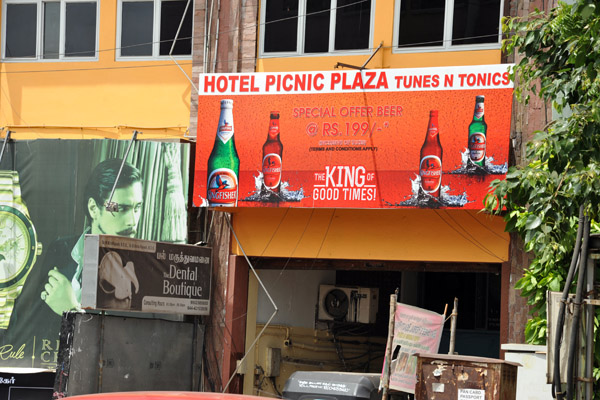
x,y
557,59
533,221
587,11
554,285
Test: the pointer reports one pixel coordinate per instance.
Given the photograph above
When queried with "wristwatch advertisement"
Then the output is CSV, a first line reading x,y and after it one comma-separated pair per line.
x,y
19,247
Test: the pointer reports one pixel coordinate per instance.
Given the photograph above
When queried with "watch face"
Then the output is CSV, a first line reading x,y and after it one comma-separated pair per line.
x,y
17,246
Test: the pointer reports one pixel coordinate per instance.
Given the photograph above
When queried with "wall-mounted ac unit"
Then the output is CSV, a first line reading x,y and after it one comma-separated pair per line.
x,y
348,304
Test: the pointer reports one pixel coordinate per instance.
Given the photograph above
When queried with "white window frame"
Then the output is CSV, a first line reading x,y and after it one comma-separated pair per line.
x,y
39,57
155,33
447,38
300,33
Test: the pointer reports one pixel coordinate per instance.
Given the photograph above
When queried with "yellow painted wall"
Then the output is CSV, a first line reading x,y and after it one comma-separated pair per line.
x,y
73,99
407,234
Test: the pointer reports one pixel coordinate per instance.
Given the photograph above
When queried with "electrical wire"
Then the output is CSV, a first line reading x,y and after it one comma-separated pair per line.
x,y
474,242
482,246
487,227
221,60
324,236
12,107
312,211
274,384
92,69
275,231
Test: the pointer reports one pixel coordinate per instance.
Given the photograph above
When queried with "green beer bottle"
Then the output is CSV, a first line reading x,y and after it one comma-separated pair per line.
x,y
478,134
223,164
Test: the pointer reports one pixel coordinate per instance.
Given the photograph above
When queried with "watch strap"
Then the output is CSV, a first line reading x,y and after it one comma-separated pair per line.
x,y
10,191
7,304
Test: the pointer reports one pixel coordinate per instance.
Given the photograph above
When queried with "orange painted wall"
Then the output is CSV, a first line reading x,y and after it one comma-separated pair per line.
x,y
73,99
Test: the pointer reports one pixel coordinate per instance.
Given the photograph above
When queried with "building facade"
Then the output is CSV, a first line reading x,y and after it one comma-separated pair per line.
x,y
83,69
431,256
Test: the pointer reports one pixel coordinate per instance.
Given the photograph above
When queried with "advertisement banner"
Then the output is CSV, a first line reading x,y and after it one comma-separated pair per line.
x,y
416,330
53,193
393,138
121,273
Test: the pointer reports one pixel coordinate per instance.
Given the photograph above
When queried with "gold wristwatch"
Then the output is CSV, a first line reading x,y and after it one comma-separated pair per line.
x,y
19,247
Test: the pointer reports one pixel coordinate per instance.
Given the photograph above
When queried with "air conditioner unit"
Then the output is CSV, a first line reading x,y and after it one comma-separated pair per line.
x,y
348,304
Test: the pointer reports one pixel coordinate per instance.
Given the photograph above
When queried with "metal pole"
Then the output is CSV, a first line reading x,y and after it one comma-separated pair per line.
x,y
589,328
110,206
389,348
6,139
453,326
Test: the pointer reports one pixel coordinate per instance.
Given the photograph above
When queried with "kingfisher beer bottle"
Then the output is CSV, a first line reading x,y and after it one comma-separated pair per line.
x,y
223,163
478,134
272,153
430,168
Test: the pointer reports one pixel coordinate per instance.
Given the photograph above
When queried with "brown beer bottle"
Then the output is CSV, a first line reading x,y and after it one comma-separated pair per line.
x,y
271,155
430,167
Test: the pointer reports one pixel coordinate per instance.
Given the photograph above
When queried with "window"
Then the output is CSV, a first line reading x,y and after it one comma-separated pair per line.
x,y
147,29
50,30
444,24
315,26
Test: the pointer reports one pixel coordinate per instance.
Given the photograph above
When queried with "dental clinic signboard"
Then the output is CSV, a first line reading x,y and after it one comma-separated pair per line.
x,y
394,138
126,274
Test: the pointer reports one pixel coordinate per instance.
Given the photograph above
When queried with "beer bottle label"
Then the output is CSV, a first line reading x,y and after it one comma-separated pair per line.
x,y
477,146
225,130
478,111
432,131
431,173
222,189
271,169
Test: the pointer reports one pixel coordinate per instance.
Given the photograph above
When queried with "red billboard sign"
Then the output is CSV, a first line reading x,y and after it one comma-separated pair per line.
x,y
394,138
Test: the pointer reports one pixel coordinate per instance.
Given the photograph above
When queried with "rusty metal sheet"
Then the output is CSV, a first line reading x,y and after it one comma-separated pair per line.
x,y
451,377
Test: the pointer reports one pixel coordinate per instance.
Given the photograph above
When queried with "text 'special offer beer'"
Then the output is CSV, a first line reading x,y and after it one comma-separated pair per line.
x,y
272,153
430,168
478,134
223,163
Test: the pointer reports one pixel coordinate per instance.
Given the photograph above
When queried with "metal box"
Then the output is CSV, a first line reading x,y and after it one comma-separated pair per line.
x,y
452,377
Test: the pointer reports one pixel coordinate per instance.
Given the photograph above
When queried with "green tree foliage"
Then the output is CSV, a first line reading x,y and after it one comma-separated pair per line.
x,y
540,199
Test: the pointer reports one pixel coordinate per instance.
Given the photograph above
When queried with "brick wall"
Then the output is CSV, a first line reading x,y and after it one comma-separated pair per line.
x,y
224,43
526,119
